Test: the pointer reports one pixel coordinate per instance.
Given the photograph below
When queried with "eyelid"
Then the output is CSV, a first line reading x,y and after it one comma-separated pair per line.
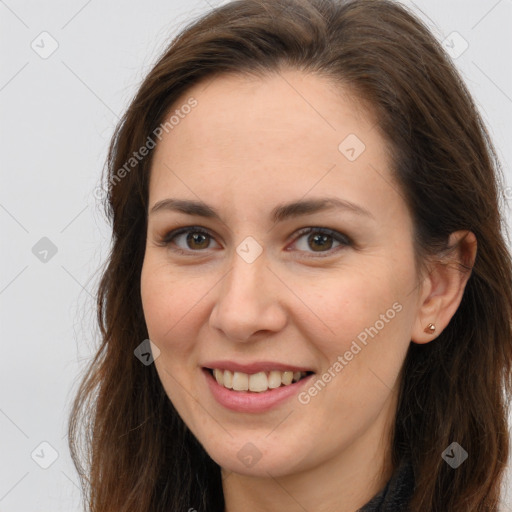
x,y
341,238
169,235
166,239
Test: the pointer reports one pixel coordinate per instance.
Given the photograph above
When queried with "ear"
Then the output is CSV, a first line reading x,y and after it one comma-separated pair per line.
x,y
442,289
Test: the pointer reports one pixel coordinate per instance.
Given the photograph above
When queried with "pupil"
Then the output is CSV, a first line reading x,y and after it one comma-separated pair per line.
x,y
199,239
320,241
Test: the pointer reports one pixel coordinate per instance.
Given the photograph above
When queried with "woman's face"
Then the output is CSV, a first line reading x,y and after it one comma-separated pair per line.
x,y
295,253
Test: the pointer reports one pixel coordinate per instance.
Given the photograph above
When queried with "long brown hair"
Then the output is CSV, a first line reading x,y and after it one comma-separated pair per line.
x,y
131,448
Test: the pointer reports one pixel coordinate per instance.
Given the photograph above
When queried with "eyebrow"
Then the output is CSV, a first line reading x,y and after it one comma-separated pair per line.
x,y
278,214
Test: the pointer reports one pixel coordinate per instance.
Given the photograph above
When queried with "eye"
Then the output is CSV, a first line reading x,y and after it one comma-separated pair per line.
x,y
191,238
320,240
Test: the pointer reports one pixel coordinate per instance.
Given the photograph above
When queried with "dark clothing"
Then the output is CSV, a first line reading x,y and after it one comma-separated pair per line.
x,y
396,494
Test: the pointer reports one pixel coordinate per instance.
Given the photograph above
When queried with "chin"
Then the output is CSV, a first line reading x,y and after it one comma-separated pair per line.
x,y
257,457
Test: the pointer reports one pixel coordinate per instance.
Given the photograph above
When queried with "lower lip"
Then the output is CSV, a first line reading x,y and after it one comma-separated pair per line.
x,y
249,401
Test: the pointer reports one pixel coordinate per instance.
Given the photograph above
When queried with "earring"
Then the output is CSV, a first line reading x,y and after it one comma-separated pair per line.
x,y
430,329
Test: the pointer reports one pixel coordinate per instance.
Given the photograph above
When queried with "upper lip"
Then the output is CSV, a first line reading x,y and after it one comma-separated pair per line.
x,y
254,367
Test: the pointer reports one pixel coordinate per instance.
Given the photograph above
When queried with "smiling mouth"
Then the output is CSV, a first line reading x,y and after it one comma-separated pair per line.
x,y
256,382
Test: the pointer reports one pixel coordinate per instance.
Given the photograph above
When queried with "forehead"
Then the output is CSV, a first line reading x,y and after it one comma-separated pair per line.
x,y
281,134
283,106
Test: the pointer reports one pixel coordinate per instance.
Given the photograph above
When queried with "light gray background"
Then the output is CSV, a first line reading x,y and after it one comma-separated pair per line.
x,y
57,115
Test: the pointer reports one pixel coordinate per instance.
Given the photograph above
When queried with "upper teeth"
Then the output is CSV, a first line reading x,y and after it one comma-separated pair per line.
x,y
261,381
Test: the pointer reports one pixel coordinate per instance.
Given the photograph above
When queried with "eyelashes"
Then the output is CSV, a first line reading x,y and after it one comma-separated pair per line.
x,y
178,241
169,239
321,235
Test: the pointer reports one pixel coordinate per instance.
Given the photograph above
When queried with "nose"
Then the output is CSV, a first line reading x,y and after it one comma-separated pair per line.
x,y
248,302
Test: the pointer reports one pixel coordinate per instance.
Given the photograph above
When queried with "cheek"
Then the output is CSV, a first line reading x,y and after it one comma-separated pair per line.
x,y
168,303
348,304
168,295
365,319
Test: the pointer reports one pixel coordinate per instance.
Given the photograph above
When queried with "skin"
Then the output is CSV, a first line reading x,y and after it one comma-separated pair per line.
x,y
252,144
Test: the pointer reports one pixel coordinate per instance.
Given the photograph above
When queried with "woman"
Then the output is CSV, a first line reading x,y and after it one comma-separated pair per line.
x,y
305,207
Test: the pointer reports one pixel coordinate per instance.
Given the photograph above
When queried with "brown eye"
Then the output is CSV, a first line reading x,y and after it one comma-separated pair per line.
x,y
197,240
320,240
189,239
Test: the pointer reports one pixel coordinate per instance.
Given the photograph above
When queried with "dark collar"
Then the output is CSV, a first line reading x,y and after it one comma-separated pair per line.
x,y
396,494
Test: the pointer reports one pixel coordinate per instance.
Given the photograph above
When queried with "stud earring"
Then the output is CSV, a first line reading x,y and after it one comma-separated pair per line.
x,y
430,329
